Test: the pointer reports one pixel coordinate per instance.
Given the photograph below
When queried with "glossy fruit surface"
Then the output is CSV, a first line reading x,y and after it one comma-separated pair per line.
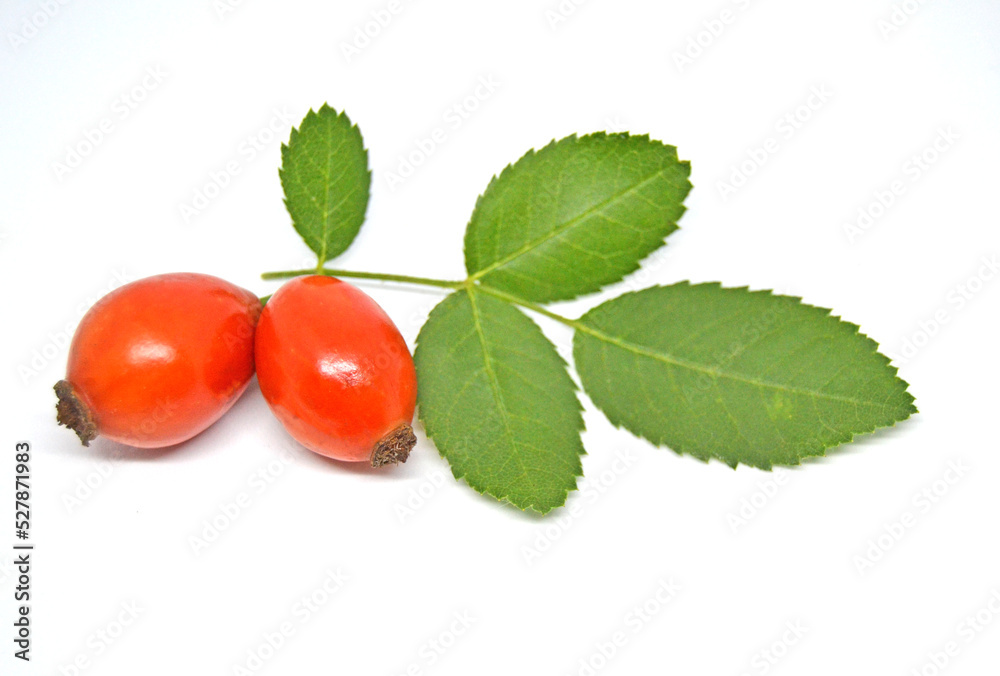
x,y
157,361
336,371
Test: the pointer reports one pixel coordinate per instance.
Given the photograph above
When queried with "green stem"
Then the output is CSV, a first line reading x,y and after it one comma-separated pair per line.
x,y
406,279
534,307
468,284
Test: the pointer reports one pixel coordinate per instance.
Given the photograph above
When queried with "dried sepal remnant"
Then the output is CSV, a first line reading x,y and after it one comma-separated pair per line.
x,y
71,412
394,447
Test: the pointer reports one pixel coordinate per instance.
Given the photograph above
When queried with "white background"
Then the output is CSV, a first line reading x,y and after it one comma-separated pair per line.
x,y
225,76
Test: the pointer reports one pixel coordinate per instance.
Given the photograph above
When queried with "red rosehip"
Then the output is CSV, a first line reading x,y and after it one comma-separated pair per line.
x,y
158,360
336,372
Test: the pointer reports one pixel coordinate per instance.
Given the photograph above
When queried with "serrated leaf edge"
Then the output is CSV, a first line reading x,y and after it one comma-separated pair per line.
x,y
314,116
461,476
575,139
820,452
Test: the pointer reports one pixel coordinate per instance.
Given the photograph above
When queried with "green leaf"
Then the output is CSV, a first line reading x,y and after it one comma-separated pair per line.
x,y
742,376
577,215
325,176
497,401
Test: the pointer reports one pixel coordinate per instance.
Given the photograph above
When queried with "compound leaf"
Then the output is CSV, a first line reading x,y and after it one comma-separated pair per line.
x,y
324,173
497,401
576,215
742,376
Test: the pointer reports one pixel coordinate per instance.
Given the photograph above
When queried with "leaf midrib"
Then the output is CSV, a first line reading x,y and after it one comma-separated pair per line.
x,y
325,221
713,372
329,154
494,381
555,232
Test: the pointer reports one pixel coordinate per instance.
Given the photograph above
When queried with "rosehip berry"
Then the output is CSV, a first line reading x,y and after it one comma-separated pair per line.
x,y
336,372
158,360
